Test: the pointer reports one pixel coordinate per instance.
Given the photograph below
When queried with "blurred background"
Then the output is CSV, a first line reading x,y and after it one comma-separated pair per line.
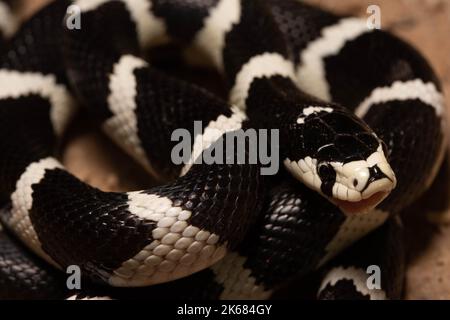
x,y
426,25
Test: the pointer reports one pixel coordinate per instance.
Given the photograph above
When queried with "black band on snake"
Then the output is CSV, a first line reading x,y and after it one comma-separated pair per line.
x,y
360,116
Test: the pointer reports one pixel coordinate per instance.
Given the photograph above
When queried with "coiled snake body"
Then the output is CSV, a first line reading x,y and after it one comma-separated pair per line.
x,y
288,66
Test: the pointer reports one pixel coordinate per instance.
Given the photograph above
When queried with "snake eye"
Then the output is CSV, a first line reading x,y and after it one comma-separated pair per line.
x,y
325,171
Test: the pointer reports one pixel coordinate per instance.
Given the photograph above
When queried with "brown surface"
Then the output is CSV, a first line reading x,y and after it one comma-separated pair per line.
x,y
426,24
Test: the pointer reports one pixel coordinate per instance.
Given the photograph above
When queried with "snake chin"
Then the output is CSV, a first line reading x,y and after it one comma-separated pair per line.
x,y
362,206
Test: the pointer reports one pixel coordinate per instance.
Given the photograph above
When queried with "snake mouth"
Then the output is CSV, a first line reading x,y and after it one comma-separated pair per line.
x,y
362,206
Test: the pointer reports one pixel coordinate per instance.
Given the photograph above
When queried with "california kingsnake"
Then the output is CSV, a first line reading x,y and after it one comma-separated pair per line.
x,y
284,62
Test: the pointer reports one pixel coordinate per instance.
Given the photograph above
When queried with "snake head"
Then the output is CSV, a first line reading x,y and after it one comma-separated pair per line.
x,y
342,159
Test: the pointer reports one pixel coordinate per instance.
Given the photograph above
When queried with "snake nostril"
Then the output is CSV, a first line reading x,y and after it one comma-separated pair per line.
x,y
355,182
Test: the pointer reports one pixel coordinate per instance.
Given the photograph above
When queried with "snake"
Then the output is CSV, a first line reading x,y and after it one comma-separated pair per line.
x,y
359,113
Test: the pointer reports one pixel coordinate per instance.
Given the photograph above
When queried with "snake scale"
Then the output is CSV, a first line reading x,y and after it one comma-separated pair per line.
x,y
359,112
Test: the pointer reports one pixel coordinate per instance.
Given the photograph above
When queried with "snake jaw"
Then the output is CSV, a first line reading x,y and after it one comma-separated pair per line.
x,y
355,187
362,185
360,207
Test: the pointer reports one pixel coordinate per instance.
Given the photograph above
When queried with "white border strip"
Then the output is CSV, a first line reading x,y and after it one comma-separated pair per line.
x,y
89,5
237,282
357,276
263,65
151,30
122,126
211,38
178,248
17,84
211,133
408,90
311,72
22,202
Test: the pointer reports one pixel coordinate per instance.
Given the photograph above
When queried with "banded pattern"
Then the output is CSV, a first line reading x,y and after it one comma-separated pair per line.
x,y
146,232
288,66
371,269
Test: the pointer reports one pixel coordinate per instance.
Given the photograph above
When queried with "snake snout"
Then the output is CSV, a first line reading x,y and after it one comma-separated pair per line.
x,y
362,185
357,186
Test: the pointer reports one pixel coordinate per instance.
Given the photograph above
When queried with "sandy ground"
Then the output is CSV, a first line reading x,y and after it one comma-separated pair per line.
x,y
426,24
